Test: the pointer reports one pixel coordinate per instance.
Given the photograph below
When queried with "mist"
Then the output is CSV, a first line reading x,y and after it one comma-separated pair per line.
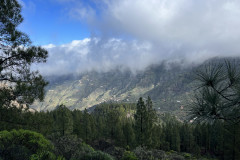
x,y
136,34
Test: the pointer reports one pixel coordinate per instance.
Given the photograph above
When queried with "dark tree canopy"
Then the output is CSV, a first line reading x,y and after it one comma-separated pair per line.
x,y
218,92
17,82
24,145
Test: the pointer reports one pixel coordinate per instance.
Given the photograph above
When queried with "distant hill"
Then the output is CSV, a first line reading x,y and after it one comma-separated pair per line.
x,y
168,84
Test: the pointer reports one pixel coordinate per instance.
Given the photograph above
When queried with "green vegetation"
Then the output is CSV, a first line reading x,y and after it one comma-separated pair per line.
x,y
218,95
18,84
218,98
23,145
113,129
145,117
129,156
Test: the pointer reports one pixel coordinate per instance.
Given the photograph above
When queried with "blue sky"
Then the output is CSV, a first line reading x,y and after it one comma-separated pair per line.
x,y
83,35
49,21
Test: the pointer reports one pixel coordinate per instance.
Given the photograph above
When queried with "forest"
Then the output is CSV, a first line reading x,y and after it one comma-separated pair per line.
x,y
115,131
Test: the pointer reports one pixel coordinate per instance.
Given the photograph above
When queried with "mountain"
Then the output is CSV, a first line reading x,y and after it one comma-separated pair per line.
x,y
168,84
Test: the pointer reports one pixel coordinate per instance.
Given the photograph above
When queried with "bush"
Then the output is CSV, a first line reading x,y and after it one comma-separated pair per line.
x,y
71,147
141,153
93,155
129,156
24,145
175,156
187,155
66,146
116,152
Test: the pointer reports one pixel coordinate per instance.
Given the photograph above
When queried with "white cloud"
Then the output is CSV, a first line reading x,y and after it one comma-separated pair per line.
x,y
142,32
49,46
97,54
186,22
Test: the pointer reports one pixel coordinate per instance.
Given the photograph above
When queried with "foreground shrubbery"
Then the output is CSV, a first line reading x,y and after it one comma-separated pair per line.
x,y
29,145
74,148
24,144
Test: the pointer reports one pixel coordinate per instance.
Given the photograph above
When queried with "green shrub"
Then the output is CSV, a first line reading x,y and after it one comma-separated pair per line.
x,y
129,156
60,158
175,156
187,155
24,145
72,147
68,145
98,155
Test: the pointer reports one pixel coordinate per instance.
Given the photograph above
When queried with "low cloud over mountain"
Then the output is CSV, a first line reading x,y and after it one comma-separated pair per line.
x,y
136,34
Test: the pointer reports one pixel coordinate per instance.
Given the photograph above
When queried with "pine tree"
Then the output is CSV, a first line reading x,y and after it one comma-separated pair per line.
x,y
129,133
100,126
187,138
217,95
63,121
173,136
77,117
18,82
86,126
157,136
151,120
175,139
232,141
171,129
119,136
140,122
41,122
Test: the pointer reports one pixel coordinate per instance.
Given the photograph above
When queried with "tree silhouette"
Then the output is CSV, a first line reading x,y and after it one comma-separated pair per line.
x,y
17,82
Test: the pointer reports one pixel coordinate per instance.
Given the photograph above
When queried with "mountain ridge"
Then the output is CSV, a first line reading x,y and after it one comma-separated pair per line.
x,y
169,87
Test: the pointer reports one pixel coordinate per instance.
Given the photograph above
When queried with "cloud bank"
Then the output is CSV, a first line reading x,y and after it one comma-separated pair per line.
x,y
136,34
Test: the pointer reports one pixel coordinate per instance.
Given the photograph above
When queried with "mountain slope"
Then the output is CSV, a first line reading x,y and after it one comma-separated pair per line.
x,y
168,84
167,87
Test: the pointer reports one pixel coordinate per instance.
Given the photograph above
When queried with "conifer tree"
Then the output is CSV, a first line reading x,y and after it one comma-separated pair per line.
x,y
151,119
17,82
140,122
77,125
119,136
157,136
218,93
63,121
112,120
187,139
129,133
100,127
232,142
86,126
